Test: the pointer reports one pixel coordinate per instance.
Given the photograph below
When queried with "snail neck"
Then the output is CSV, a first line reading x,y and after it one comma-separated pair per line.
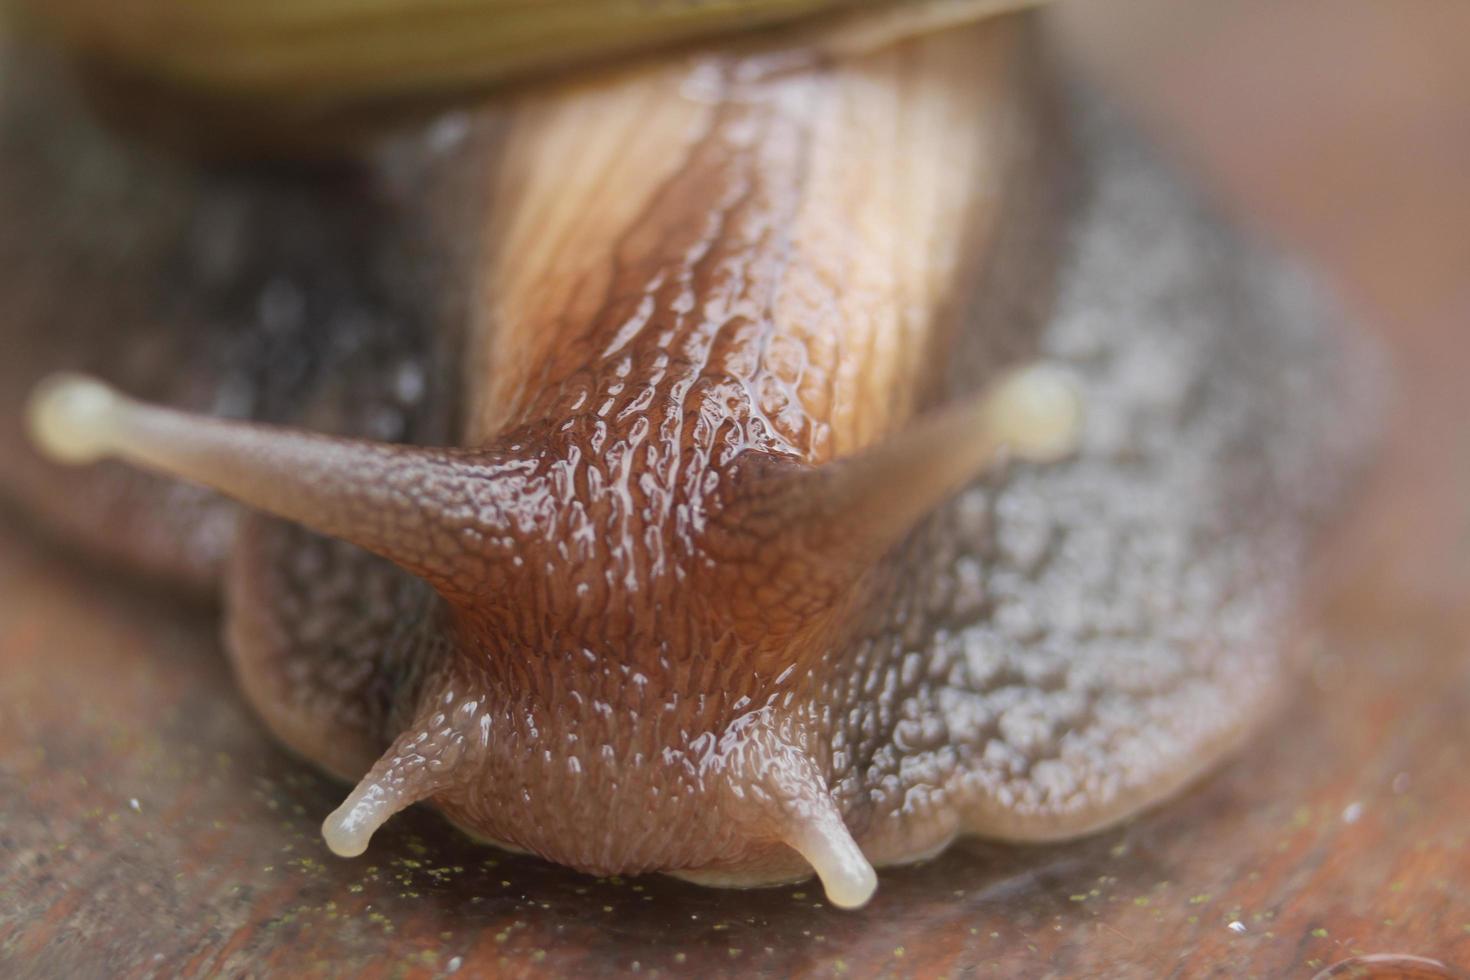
x,y
712,269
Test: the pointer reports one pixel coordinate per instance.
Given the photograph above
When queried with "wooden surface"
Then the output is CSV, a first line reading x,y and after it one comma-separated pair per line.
x,y
149,827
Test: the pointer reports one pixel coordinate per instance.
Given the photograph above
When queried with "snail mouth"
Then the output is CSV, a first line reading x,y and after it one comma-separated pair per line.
x,y
748,807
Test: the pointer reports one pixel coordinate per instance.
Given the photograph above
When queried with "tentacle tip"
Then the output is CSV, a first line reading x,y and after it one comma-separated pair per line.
x,y
845,872
345,832
1037,412
70,418
849,885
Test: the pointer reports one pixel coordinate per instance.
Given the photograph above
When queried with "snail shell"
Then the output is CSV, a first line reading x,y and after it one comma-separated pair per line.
x,y
293,77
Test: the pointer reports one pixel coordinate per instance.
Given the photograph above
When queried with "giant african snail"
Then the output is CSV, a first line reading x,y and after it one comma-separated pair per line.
x,y
752,554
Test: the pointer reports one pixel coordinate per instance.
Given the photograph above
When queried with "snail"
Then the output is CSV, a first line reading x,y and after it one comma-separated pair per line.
x,y
733,466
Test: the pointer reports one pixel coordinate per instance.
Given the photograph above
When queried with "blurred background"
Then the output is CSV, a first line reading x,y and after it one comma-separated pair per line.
x,y
1342,128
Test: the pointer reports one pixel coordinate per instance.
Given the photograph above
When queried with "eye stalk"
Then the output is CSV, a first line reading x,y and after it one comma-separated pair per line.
x,y
1035,414
873,498
442,513
834,521
414,506
70,417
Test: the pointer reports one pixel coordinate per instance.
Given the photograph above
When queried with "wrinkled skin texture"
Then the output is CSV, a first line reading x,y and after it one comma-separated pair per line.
x,y
651,678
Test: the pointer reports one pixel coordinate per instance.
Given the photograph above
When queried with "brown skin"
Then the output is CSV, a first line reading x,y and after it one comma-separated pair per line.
x,y
665,632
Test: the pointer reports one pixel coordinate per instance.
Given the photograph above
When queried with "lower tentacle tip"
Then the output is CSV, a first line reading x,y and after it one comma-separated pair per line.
x,y
69,417
847,876
851,885
345,831
1038,412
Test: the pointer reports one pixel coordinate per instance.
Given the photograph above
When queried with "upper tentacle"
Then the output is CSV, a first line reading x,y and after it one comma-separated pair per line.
x,y
439,513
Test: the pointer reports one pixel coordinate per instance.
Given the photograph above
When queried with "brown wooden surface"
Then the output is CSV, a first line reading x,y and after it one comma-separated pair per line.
x,y
148,826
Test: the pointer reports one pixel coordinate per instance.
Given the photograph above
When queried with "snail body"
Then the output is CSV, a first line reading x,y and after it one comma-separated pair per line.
x,y
734,544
